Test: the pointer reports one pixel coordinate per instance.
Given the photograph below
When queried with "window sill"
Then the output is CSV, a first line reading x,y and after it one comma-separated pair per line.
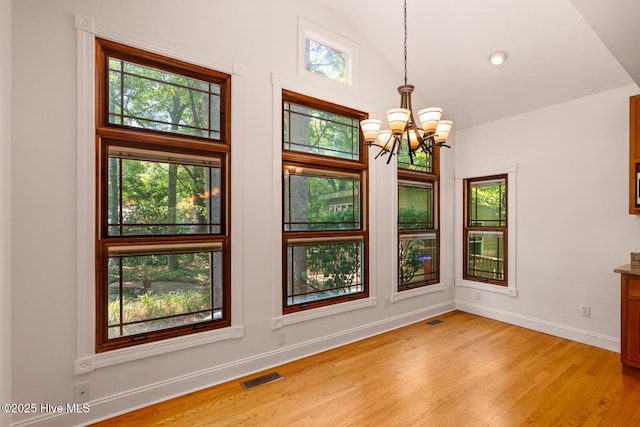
x,y
423,290
509,290
316,313
115,357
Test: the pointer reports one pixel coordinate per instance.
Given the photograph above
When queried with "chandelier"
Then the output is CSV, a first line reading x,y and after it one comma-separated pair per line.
x,y
403,126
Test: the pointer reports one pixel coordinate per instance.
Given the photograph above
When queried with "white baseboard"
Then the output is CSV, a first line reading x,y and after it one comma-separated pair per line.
x,y
130,400
555,329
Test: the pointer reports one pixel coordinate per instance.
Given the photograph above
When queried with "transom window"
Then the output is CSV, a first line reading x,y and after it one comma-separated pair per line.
x,y
325,61
324,204
163,249
315,131
485,230
325,57
149,98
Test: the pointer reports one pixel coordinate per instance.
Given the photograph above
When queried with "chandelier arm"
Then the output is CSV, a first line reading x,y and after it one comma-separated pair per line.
x,y
426,148
393,147
382,148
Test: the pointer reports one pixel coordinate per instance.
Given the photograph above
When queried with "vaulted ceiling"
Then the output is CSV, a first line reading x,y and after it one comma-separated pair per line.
x,y
558,50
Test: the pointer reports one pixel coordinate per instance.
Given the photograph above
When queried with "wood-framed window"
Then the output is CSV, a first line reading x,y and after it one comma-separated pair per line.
x,y
162,197
486,229
418,209
324,204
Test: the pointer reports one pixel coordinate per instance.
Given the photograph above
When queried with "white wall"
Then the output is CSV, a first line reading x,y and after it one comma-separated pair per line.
x,y
5,207
261,36
572,227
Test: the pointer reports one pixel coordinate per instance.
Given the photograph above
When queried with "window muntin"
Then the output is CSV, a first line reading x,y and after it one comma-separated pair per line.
x,y
487,202
319,269
415,206
162,200
485,231
317,131
417,260
485,255
154,193
324,250
325,61
145,294
320,200
149,98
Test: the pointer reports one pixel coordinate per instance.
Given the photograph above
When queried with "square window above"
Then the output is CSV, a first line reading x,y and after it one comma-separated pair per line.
x,y
325,61
326,57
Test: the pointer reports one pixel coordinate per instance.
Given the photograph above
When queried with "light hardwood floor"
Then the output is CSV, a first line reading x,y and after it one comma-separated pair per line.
x,y
468,371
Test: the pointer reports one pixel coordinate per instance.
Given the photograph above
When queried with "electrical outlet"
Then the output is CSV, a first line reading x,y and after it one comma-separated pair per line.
x,y
585,311
476,295
281,338
81,392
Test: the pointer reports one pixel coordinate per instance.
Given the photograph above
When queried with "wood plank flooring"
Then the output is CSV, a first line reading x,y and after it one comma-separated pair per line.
x,y
468,371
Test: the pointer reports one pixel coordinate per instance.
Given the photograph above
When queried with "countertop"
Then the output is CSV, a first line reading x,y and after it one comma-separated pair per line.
x,y
626,269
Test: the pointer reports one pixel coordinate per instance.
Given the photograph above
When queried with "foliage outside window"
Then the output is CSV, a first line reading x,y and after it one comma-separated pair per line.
x,y
163,265
485,230
421,161
324,200
326,61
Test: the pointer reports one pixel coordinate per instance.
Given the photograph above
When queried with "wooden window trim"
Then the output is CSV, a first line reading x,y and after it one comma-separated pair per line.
x,y
420,179
338,166
467,227
162,142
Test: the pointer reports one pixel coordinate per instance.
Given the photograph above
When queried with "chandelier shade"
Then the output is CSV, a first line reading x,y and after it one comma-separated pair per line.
x,y
442,131
398,118
429,117
430,132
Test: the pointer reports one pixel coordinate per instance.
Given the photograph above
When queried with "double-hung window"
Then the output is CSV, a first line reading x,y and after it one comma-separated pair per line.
x,y
162,236
324,204
485,229
418,234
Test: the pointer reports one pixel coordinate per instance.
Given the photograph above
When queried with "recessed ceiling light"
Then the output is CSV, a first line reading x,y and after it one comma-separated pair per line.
x,y
497,58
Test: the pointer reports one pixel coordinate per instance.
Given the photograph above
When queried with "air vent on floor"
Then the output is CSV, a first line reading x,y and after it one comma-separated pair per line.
x,y
265,379
435,322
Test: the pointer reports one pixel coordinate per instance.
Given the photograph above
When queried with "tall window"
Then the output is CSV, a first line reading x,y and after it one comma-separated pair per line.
x,y
485,229
325,239
418,235
162,238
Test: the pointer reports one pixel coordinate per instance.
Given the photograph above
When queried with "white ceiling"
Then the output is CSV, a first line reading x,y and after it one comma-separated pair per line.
x,y
559,50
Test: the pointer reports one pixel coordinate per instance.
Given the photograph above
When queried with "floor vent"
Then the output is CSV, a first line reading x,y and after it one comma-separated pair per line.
x,y
435,322
257,382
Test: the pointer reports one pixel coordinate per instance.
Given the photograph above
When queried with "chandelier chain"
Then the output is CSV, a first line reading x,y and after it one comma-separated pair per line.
x,y
405,42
